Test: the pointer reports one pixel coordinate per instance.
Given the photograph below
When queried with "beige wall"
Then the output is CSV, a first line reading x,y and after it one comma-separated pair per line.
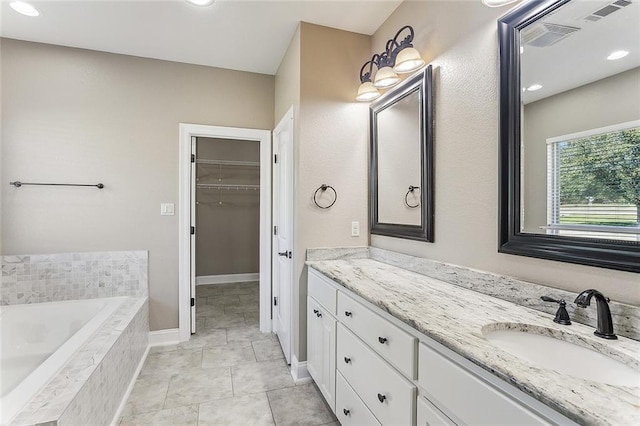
x,y
73,115
613,100
227,221
330,146
460,40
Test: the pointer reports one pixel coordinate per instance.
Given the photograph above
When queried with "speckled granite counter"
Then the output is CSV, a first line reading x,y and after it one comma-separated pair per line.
x,y
454,316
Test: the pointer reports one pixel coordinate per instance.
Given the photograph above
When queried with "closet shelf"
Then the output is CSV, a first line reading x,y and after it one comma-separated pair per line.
x,y
236,187
228,163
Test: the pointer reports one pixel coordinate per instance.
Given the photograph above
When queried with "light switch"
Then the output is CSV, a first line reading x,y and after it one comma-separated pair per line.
x,y
355,229
167,209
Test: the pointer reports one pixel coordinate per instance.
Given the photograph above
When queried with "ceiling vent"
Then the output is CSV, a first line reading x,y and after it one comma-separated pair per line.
x,y
546,34
607,10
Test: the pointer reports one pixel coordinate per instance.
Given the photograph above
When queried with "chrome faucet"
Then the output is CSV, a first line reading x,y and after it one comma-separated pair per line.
x,y
605,324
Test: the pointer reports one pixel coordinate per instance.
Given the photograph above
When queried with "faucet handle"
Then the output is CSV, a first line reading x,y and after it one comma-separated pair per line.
x,y
562,316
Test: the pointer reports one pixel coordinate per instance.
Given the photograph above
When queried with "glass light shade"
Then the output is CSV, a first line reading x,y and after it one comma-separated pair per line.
x,y
367,92
408,60
386,77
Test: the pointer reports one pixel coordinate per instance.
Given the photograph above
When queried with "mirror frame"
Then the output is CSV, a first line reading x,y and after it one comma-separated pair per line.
x,y
604,253
424,232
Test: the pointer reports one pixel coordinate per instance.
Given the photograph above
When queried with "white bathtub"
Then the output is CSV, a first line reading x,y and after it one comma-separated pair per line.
x,y
38,339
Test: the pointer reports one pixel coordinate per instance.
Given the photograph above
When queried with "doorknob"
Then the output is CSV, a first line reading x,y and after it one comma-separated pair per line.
x,y
285,254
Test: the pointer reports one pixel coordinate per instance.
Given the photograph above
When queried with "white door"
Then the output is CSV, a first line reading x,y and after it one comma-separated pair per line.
x,y
282,259
193,235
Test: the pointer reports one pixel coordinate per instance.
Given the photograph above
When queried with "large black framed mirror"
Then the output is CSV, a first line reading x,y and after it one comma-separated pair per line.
x,y
570,132
401,166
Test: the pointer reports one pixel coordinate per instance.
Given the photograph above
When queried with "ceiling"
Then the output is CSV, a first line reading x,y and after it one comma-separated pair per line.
x,y
234,34
580,58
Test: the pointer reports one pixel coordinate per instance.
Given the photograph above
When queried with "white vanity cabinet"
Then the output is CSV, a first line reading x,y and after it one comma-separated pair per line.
x,y
390,374
321,338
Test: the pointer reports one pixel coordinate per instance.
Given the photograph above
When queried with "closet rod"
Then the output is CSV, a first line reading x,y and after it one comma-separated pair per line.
x,y
225,186
18,184
228,163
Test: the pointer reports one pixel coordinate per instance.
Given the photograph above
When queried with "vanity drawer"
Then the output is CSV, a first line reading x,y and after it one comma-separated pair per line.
x,y
389,396
322,291
350,410
467,397
392,343
429,415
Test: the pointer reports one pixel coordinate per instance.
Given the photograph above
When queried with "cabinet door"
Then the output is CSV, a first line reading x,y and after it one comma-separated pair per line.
x,y
428,415
314,341
328,358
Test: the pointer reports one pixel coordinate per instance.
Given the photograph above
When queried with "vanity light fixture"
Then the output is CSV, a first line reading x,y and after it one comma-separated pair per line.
x,y
534,87
399,57
618,54
24,8
201,2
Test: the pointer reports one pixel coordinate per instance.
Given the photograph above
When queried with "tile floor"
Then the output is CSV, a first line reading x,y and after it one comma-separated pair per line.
x,y
229,373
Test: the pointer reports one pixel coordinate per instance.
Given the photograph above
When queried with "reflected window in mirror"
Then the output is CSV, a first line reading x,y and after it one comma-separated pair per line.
x,y
401,183
570,132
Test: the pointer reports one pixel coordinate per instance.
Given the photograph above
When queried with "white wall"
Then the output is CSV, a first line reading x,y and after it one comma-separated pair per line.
x,y
73,115
460,39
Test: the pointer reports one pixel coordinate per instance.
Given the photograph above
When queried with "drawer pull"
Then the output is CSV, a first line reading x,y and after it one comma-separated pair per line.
x,y
346,412
381,397
382,340
315,311
347,313
347,360
318,314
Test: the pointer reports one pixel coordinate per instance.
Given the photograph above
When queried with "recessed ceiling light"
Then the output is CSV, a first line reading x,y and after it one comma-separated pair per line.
x,y
618,54
534,87
498,3
24,8
201,2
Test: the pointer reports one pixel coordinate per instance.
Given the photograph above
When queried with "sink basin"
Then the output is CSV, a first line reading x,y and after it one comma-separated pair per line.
x,y
528,343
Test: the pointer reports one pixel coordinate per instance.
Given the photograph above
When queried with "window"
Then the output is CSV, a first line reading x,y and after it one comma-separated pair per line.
x,y
593,183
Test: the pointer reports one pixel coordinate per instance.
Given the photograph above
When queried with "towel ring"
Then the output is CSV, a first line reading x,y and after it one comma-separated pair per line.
x,y
406,196
323,188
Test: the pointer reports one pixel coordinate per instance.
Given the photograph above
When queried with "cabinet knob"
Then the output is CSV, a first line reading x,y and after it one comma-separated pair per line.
x,y
381,397
347,313
346,412
382,340
318,314
315,311
347,359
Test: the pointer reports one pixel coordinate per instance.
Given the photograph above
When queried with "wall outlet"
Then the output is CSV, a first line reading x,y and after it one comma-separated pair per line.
x,y
355,229
167,209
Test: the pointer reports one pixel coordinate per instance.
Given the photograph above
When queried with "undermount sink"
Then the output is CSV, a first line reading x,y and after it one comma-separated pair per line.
x,y
544,348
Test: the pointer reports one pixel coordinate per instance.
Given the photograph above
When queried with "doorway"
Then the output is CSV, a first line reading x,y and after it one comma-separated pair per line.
x,y
214,192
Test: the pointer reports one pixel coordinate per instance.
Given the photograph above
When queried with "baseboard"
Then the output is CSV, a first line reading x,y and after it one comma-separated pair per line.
x,y
299,371
125,398
169,336
227,278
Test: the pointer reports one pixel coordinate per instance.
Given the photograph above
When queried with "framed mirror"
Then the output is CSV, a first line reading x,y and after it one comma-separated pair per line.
x,y
570,132
401,169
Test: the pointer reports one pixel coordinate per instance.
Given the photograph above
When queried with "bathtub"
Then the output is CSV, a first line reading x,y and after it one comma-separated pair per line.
x,y
38,339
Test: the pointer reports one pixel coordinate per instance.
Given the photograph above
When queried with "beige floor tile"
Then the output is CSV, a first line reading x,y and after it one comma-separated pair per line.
x,y
224,321
206,338
299,406
248,298
241,289
247,410
148,394
223,300
246,307
252,318
267,349
247,334
260,377
169,363
206,311
228,355
187,415
163,348
199,385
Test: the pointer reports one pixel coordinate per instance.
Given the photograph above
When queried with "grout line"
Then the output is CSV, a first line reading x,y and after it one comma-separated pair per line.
x,y
270,408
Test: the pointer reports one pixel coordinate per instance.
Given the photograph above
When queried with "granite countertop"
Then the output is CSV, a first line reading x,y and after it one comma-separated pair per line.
x,y
455,316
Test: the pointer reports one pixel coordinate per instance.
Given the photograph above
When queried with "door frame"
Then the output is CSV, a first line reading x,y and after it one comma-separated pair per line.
x,y
187,131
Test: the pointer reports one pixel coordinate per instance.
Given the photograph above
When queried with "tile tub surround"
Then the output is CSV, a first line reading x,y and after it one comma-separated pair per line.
x,y
90,387
626,318
71,276
454,316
